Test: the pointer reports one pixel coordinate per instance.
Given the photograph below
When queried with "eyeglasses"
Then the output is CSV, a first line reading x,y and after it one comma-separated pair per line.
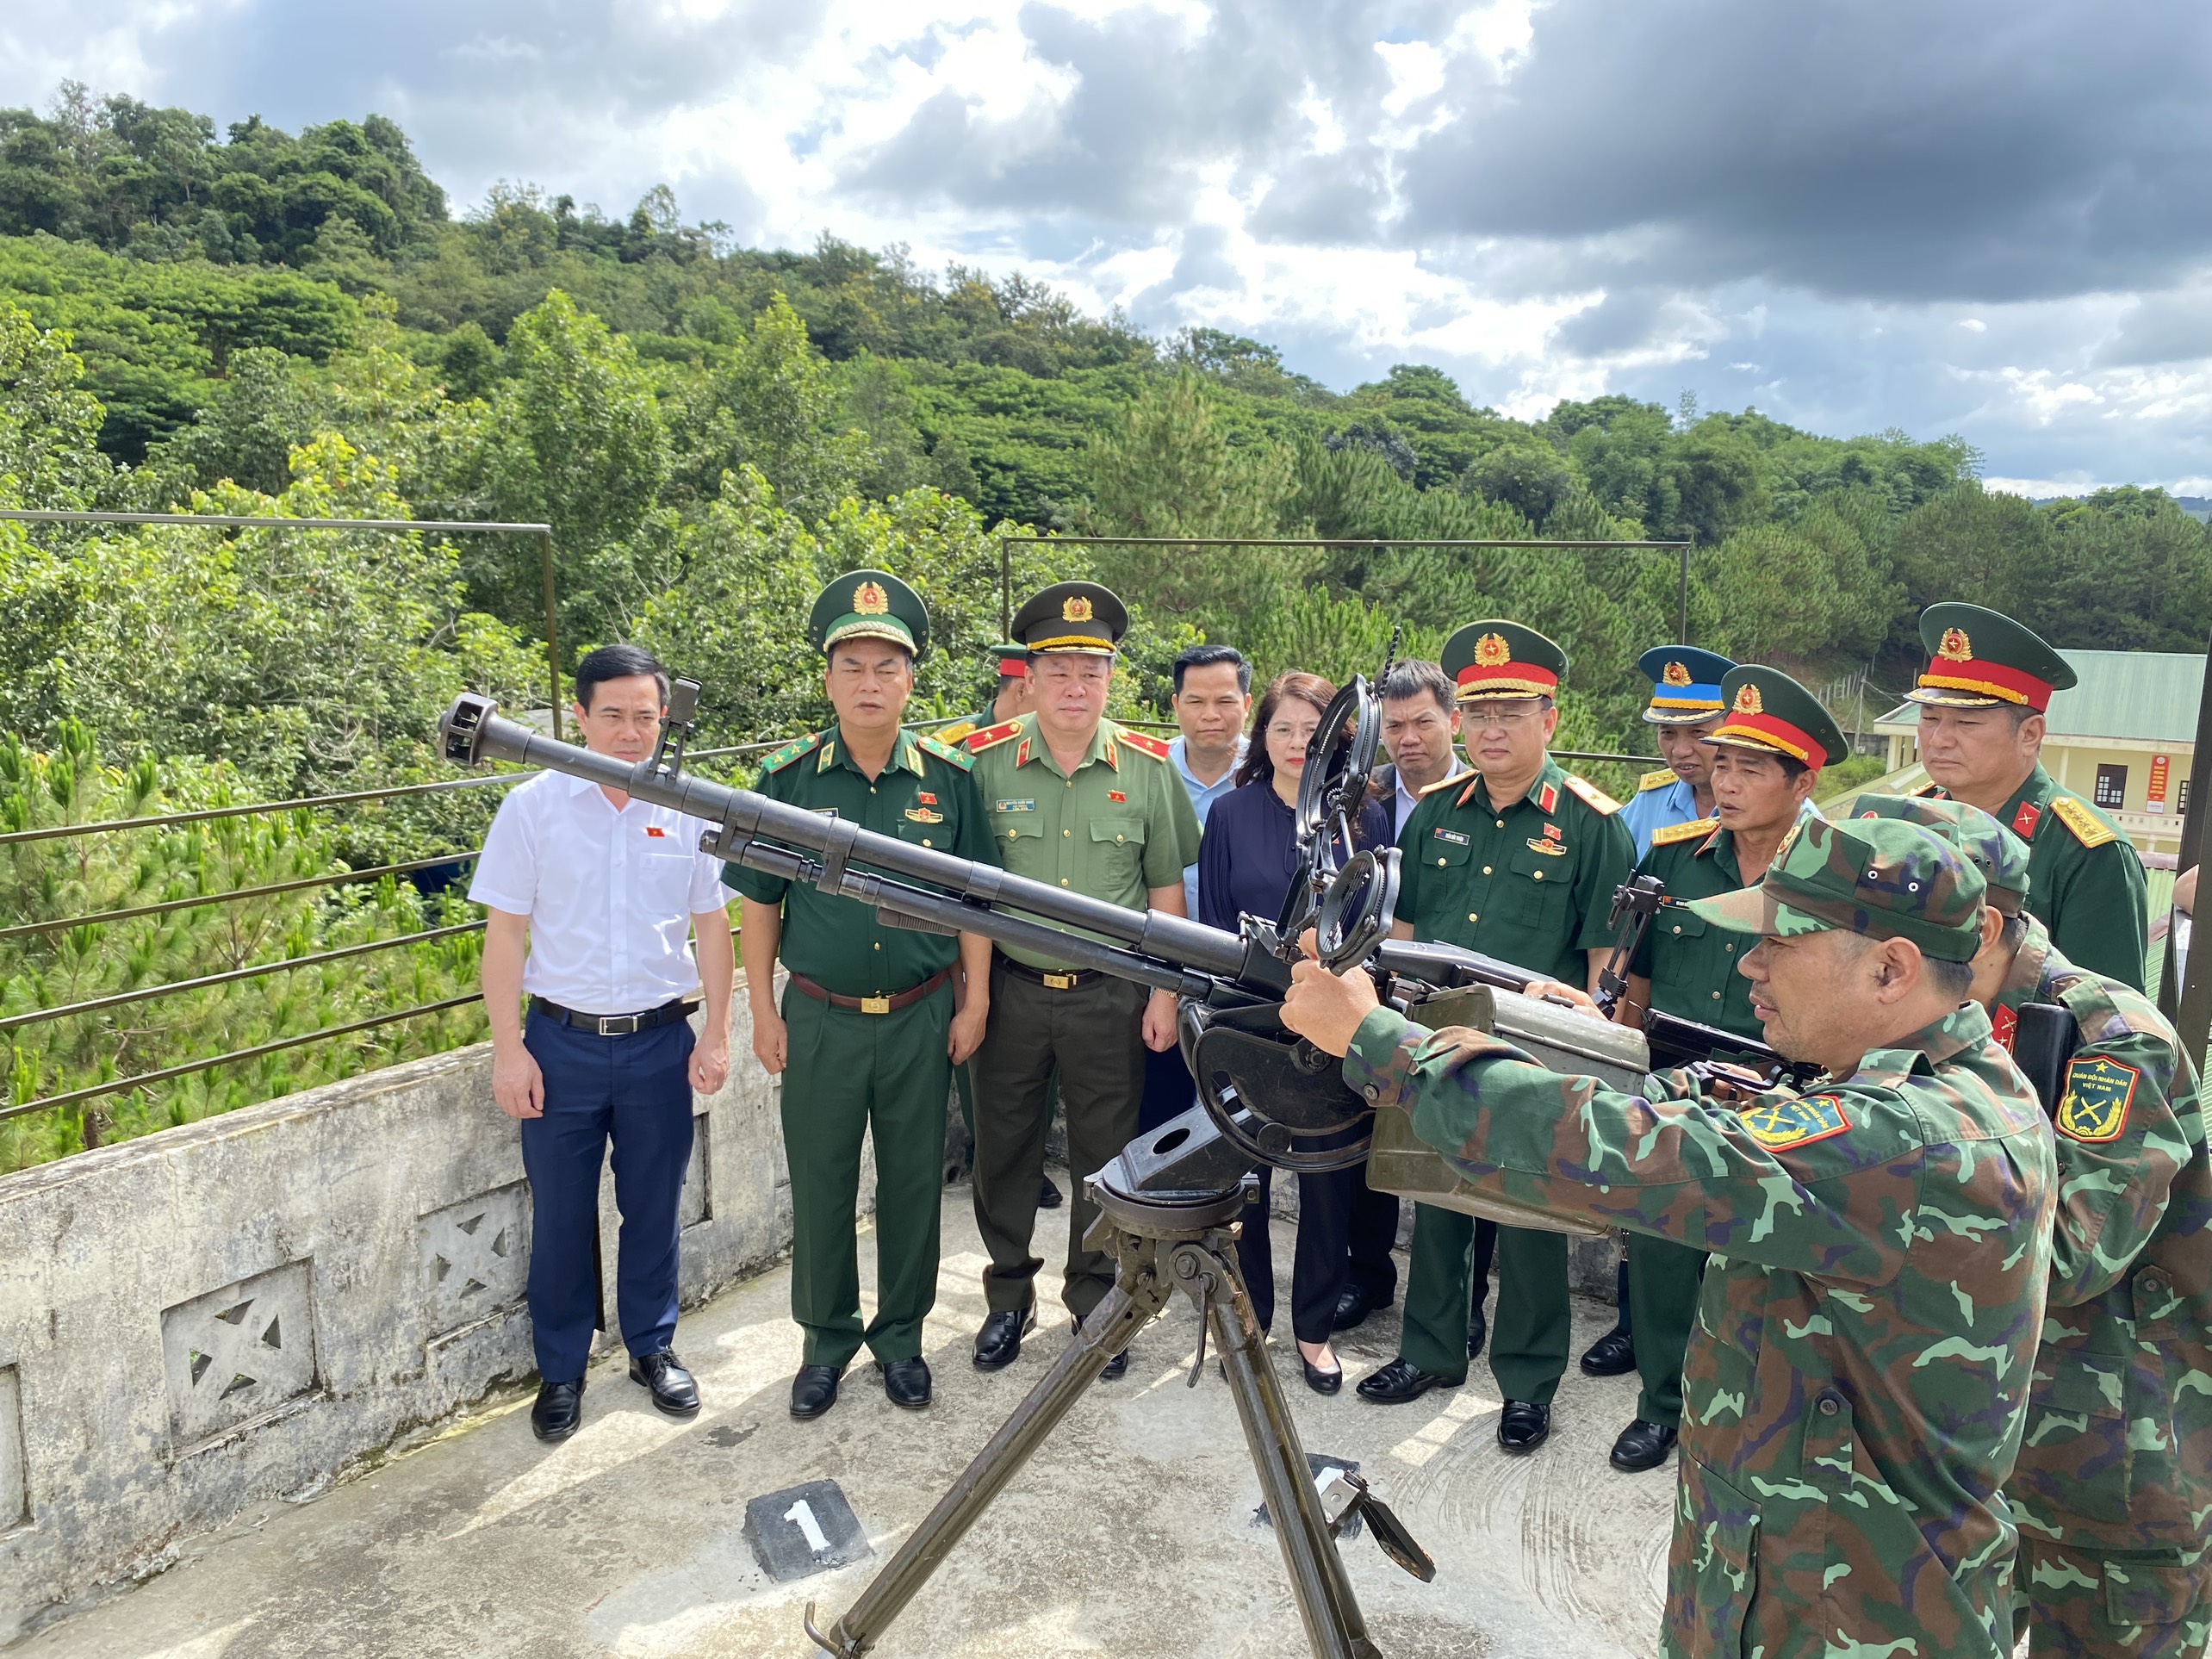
x,y
1299,735
1478,718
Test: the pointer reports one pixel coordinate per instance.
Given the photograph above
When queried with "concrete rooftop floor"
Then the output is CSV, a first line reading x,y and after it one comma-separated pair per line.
x,y
1131,1533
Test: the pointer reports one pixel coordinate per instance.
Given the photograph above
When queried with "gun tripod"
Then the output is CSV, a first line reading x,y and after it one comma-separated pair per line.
x,y
1161,1246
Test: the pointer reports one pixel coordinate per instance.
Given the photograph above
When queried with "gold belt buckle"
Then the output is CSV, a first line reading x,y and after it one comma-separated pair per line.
x,y
1060,981
875,1004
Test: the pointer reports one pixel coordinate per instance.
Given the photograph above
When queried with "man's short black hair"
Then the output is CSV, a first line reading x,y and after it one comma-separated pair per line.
x,y
618,662
1204,656
1415,677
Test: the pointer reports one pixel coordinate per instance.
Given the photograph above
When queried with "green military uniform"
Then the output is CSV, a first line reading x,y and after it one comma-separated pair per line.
x,y
865,1055
1858,1374
2087,884
1693,968
2114,1476
1118,826
1531,884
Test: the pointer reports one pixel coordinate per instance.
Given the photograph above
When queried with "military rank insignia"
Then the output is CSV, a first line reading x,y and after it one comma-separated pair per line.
x,y
1538,844
1780,1125
923,815
2094,1106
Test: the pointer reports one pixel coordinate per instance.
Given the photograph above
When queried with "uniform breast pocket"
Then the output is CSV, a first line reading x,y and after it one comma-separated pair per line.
x,y
1117,848
937,837
1444,851
2075,1459
1538,890
1011,829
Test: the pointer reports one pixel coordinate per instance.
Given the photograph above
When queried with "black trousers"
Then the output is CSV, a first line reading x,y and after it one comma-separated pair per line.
x,y
1374,1235
1322,1264
1169,1089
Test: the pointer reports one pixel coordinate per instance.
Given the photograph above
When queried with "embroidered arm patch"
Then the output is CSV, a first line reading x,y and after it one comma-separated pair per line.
x,y
2095,1105
1779,1125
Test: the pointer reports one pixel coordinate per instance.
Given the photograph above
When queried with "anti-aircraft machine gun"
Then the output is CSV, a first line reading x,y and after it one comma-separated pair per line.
x,y
1168,1204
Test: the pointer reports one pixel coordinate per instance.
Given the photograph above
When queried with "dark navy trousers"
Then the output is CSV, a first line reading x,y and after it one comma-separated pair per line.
x,y
635,1092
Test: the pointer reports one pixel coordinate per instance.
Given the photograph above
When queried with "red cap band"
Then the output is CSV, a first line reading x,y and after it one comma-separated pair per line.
x,y
1506,680
1013,667
1772,733
1989,679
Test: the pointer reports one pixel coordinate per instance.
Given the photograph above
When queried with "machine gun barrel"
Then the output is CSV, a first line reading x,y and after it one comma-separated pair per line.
x,y
1165,952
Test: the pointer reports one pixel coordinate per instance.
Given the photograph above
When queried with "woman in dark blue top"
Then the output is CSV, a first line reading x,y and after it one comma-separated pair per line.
x,y
1247,861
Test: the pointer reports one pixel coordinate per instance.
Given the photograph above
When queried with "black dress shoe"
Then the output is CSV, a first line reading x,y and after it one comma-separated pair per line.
x,y
1353,1305
559,1409
1321,1381
1523,1427
1478,1333
814,1390
1116,1368
1049,1196
906,1382
1642,1446
998,1345
1612,1354
1399,1382
673,1391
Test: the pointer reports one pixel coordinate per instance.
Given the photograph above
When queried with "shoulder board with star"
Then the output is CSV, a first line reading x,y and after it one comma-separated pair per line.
x,y
790,752
1143,741
1592,796
1651,780
1680,832
979,741
959,731
944,752
1427,790
2088,828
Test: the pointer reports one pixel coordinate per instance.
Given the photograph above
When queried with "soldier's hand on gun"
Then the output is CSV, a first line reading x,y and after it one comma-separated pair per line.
x,y
1325,1009
1558,990
966,1035
1159,1021
771,1042
517,1085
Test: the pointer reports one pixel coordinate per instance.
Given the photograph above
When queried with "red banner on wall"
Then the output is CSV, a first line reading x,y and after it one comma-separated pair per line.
x,y
2158,767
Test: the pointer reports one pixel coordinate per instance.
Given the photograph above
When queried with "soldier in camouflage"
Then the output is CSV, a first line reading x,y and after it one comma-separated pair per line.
x,y
2115,1478
1857,1381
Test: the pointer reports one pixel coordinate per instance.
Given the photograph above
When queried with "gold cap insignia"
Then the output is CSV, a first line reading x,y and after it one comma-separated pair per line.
x,y
870,601
1076,609
1675,674
1956,647
1491,651
1748,701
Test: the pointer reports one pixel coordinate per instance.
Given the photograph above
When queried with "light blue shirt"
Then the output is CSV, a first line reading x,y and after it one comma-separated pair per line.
x,y
1202,797
1654,810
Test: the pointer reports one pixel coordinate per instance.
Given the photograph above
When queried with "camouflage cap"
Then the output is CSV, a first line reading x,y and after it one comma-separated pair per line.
x,y
2000,855
1883,878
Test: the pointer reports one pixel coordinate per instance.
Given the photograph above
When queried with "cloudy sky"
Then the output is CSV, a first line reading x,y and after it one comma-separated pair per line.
x,y
1989,217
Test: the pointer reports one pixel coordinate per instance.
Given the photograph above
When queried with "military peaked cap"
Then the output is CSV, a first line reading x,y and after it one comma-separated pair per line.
x,y
869,605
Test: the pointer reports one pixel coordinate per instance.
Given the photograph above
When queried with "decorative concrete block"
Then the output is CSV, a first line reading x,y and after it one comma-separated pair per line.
x,y
235,1355
475,1256
14,1486
696,1203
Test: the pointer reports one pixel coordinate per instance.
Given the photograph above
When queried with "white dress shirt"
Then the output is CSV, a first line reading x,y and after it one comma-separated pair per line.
x,y
610,895
1402,808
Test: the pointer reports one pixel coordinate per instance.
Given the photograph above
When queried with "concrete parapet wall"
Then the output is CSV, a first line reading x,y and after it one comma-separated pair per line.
x,y
253,1305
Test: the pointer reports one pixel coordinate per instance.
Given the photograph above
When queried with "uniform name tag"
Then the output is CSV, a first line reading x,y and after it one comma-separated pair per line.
x,y
1015,807
1455,837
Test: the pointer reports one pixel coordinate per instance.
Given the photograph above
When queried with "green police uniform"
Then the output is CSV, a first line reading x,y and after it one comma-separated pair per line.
x,y
2087,886
1857,1381
1531,884
865,1054
1693,968
1118,826
2114,1476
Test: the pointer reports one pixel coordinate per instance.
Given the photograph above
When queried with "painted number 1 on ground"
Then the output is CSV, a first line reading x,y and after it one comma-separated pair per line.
x,y
801,1515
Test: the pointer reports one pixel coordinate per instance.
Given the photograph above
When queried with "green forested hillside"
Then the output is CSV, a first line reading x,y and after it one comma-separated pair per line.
x,y
261,323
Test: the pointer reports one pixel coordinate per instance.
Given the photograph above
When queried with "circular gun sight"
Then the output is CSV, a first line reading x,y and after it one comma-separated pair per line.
x,y
461,731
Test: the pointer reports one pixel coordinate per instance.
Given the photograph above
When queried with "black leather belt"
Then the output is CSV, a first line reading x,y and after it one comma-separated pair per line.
x,y
615,1025
1072,979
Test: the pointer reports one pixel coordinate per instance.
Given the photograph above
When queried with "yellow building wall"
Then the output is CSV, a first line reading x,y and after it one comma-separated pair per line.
x,y
2073,761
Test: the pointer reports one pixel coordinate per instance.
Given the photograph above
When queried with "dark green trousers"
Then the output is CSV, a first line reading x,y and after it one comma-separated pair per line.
x,y
1529,1332
1663,1280
884,1075
1093,1036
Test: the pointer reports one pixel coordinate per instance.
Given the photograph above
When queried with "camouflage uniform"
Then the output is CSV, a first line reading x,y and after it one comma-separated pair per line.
x,y
1857,1381
2113,1482
2114,1485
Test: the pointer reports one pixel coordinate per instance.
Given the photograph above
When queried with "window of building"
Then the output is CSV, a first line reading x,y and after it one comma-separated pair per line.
x,y
2111,787
2181,803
